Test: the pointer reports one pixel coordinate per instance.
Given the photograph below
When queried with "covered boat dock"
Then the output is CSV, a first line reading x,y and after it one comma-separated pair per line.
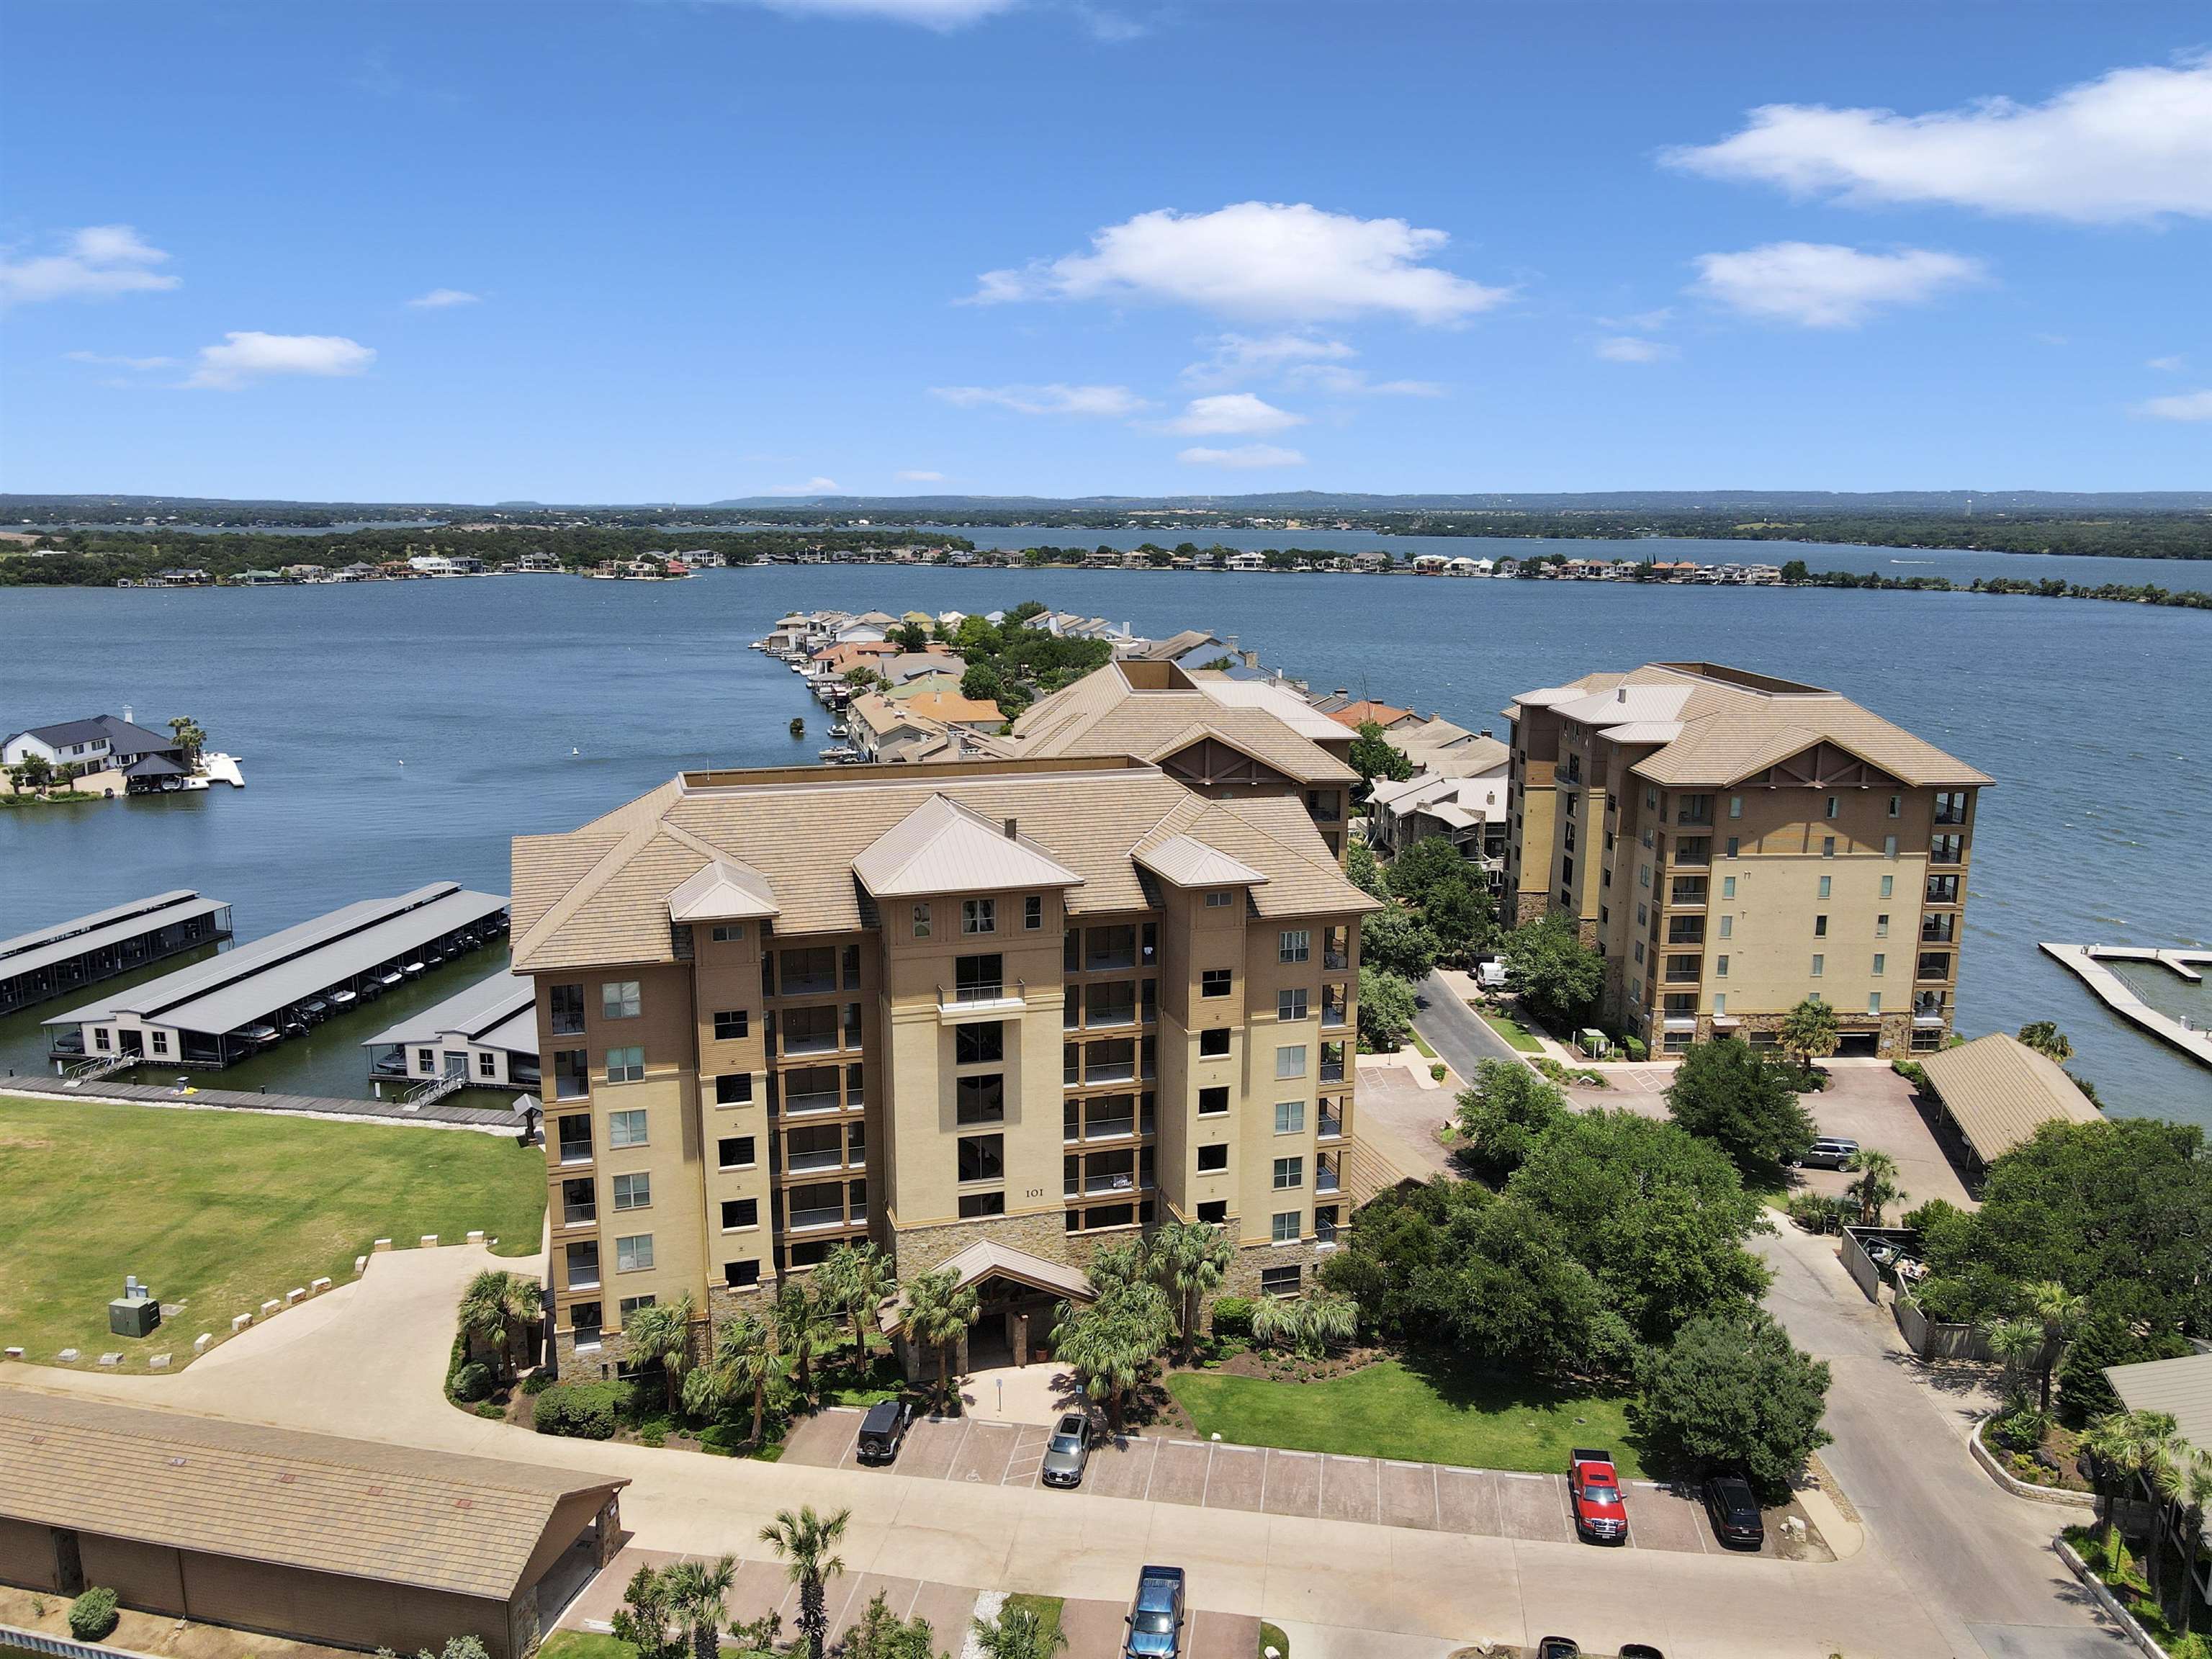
x,y
48,961
252,997
485,1036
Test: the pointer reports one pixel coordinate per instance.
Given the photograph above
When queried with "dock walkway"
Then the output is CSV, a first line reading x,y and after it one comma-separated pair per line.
x,y
2084,960
439,1114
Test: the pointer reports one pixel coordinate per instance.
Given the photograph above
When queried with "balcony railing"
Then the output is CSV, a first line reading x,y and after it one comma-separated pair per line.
x,y
584,1278
1117,1070
1325,1178
1331,1071
800,1220
1329,1126
800,1162
1335,962
578,1215
987,997
809,985
819,1100
1114,1014
798,1044
1100,961
1110,1128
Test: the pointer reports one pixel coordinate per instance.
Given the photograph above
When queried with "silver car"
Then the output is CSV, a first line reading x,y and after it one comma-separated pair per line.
x,y
1067,1451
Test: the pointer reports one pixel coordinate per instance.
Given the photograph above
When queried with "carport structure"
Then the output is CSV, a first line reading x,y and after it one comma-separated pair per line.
x,y
306,1536
1994,1092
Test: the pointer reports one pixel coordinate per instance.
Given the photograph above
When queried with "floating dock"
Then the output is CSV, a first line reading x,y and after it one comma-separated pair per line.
x,y
2087,962
252,997
49,962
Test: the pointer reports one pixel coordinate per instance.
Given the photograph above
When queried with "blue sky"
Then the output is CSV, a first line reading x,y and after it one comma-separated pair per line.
x,y
647,249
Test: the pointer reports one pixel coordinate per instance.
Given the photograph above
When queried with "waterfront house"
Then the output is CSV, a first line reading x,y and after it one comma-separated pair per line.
x,y
1247,562
101,744
1359,712
1470,813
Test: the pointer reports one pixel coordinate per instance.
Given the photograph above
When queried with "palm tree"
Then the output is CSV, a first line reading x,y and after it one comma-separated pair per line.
x,y
1808,1031
2123,1446
1018,1633
2045,1038
939,1310
801,1324
2061,1313
1192,1259
2015,1344
496,1307
804,1541
1876,1188
662,1332
2186,1481
744,1361
695,1590
856,1280
190,738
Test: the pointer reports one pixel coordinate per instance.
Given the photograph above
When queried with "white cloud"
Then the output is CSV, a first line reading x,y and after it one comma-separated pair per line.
x,y
1354,383
1820,285
919,475
2134,144
247,354
1244,455
1241,356
438,297
1053,400
1256,259
1628,348
108,361
2165,365
1640,322
1232,413
815,486
97,263
930,13
2183,406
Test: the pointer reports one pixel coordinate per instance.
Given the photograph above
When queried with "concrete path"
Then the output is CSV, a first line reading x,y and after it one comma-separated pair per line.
x,y
438,1115
1976,1561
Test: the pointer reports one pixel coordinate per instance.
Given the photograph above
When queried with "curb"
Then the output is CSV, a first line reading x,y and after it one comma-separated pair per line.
x,y
2119,1615
2012,1484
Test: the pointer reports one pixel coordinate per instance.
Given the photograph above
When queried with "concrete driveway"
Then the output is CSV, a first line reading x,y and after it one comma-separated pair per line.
x,y
1453,1028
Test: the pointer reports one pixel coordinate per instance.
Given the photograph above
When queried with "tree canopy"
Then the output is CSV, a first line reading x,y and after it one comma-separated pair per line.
x,y
1501,1112
1386,1009
1374,755
1735,1096
1557,975
1730,1389
1397,942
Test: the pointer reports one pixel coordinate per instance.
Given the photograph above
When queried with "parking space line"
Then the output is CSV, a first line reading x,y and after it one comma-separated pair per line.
x,y
1151,1470
1437,1496
1206,1486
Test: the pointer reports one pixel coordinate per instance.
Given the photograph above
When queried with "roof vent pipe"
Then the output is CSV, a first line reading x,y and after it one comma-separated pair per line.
x,y
1620,694
1010,829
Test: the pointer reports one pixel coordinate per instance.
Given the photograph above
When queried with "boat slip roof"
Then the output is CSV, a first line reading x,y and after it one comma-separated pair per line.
x,y
43,947
254,981
498,1012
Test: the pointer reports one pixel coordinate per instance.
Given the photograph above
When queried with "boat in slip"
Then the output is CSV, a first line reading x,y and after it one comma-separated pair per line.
x,y
387,980
842,754
342,1001
261,1036
411,969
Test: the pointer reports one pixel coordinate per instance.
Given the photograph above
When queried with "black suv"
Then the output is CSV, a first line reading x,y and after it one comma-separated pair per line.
x,y
1734,1510
882,1430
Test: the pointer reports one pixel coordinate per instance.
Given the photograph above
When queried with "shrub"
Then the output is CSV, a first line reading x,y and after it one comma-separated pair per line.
x,y
537,1383
1437,1071
1636,1048
2019,1430
1813,1212
1232,1316
1911,1072
491,1410
473,1382
581,1411
92,1615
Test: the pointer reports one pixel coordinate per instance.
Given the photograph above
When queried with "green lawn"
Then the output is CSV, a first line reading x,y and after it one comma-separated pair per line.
x,y
1047,1610
1511,1029
1422,1043
1423,1409
222,1210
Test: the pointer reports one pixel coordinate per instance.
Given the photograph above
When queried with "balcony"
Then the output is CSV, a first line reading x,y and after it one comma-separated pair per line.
x,y
1329,1126
1938,930
1335,962
1111,1071
809,985
808,1163
986,1000
1331,1071
1111,1128
799,1221
1326,1179
578,1215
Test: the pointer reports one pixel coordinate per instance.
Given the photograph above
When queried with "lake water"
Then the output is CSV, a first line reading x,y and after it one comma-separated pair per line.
x,y
395,733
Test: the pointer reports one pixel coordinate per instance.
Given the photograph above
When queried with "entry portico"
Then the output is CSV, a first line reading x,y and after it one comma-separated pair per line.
x,y
1019,1293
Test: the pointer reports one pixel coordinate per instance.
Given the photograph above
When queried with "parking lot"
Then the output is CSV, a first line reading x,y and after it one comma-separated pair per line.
x,y
1427,1497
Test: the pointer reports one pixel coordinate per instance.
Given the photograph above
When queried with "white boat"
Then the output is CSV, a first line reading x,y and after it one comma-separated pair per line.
x,y
390,979
343,999
412,968
838,755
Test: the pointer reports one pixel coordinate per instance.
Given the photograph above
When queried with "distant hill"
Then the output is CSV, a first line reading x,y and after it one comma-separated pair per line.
x,y
1325,502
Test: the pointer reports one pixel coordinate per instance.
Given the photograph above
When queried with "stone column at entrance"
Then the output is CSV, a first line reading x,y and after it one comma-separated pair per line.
x,y
1021,1340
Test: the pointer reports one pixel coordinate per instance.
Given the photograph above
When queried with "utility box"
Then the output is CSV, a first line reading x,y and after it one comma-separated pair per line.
x,y
134,1315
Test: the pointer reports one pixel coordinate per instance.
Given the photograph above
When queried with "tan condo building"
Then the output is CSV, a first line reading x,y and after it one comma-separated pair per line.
x,y
985,1014
1734,844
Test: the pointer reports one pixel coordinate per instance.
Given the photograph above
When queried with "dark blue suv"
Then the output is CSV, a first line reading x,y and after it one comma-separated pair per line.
x,y
1156,1616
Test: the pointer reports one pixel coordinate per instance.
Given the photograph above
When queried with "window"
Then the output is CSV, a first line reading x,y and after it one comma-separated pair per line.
x,y
633,1192
1896,802
1825,888
979,915
1215,981
1279,1281
1033,914
579,1203
739,1214
1212,1160
1819,926
921,921
1643,875
981,1099
728,933
1720,967
1286,1229
625,1065
1214,1043
733,1089
983,1044
1735,807
732,1026
564,1006
1934,965
618,1000
734,1152
100,1037
1214,1212
583,1266
1834,806
741,1275
1290,1173
1290,1117
1728,886
1880,962
1290,1005
626,1128
1212,1103
1827,847
1881,926
1643,914
1291,1060
1720,1005
1889,847
1819,966
979,979
575,1137
426,1059
977,1204
584,1320
1295,944
1888,885
633,1254
486,1065
629,1304
1728,926
1220,901
982,1157
1733,844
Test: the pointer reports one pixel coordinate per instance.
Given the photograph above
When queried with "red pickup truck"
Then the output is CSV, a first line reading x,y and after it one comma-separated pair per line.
x,y
1594,1490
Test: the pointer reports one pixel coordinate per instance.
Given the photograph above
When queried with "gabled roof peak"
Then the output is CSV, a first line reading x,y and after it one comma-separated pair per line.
x,y
942,847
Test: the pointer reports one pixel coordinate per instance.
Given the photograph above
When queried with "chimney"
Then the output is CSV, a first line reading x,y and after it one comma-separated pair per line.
x,y
1620,694
1010,828
127,721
